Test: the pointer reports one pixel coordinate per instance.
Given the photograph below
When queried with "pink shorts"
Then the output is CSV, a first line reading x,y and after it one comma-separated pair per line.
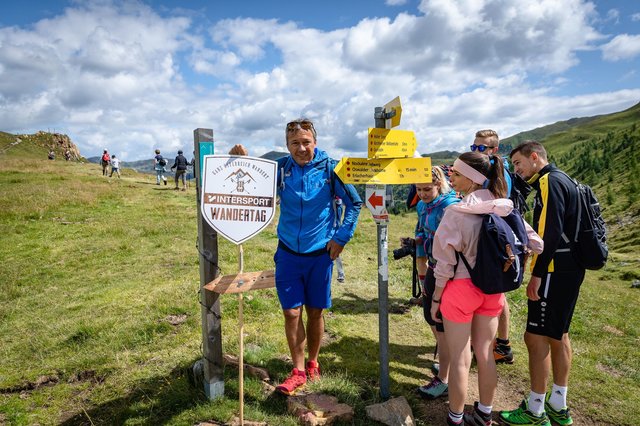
x,y
461,300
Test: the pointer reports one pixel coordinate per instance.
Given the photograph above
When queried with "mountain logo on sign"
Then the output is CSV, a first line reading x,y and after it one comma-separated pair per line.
x,y
240,178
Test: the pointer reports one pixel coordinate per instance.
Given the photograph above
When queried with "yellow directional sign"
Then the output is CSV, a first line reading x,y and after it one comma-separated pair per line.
x,y
387,143
394,105
379,171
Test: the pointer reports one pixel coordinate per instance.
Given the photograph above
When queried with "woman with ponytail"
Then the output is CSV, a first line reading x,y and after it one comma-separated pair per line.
x,y
469,315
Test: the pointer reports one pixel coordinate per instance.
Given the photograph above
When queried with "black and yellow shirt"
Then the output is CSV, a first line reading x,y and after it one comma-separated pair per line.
x,y
554,215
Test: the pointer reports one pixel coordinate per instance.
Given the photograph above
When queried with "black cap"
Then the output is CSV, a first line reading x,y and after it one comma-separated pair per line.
x,y
179,151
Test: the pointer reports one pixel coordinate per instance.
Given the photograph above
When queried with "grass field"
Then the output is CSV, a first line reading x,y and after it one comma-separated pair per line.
x,y
100,321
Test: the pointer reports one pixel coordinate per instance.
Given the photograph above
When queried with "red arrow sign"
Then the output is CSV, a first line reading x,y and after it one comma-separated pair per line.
x,y
375,200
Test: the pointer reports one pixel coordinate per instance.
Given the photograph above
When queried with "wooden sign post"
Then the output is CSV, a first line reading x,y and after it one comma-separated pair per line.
x,y
211,363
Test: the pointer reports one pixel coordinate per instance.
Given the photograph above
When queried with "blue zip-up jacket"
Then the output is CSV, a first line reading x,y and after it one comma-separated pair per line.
x,y
307,215
429,217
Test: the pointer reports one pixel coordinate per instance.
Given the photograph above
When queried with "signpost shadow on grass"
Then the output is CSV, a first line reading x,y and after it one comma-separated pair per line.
x,y
171,391
350,303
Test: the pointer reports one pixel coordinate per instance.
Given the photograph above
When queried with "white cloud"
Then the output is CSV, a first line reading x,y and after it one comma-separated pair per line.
x,y
121,76
613,15
623,46
635,17
395,2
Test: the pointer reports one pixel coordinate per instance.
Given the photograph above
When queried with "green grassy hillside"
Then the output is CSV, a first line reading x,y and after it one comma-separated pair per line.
x,y
603,152
100,321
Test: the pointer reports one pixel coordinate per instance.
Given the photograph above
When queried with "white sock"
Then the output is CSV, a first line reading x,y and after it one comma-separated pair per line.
x,y
536,403
455,417
558,398
486,409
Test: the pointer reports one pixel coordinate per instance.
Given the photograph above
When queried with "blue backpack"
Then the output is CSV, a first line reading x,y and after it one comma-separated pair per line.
x,y
501,254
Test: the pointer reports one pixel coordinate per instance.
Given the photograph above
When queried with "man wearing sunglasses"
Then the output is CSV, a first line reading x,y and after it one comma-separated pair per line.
x,y
308,243
487,142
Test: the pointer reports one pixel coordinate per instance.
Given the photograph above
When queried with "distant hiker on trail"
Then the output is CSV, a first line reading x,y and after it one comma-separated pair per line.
x,y
52,155
159,163
553,289
180,164
115,166
308,244
104,162
434,198
468,313
487,142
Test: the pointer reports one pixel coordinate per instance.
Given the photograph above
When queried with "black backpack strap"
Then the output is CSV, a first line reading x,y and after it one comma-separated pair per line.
x,y
459,256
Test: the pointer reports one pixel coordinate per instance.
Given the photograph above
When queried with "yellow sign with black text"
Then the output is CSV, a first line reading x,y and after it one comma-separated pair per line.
x,y
395,108
387,143
382,171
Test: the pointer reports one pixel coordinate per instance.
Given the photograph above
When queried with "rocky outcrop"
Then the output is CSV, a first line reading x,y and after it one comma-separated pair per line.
x,y
59,143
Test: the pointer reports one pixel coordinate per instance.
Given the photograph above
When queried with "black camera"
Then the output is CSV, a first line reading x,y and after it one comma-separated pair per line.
x,y
407,247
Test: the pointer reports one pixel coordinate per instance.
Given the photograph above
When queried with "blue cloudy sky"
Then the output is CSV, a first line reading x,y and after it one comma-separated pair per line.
x,y
131,76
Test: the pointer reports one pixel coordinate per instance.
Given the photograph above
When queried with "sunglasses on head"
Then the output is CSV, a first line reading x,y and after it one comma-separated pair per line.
x,y
302,124
480,148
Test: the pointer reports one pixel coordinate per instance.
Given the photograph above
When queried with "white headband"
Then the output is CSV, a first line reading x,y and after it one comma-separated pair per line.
x,y
469,172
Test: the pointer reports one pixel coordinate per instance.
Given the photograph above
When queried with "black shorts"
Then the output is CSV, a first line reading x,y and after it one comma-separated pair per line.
x,y
551,315
428,288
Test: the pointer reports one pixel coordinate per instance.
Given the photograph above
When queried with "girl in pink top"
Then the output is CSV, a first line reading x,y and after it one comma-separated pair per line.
x,y
469,315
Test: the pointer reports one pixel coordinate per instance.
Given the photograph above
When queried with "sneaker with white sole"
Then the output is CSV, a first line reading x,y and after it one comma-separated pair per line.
x,y
436,388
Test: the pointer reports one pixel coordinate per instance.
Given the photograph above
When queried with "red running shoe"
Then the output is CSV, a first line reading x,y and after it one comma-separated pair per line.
x,y
313,370
295,381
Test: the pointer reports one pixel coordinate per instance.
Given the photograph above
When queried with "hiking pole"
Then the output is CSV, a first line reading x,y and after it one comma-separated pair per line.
x,y
241,326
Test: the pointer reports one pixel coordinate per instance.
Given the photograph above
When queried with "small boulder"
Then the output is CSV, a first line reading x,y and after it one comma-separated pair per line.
x,y
318,409
394,412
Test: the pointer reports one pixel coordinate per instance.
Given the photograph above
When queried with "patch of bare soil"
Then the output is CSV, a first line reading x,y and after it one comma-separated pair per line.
x,y
508,396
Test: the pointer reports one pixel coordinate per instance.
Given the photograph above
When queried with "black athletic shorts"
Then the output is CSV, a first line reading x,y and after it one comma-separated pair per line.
x,y
551,315
428,288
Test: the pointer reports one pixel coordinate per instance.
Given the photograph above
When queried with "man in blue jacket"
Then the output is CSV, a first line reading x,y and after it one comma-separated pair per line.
x,y
308,243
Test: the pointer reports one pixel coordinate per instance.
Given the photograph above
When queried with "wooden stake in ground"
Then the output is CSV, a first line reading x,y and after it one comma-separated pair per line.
x,y
241,332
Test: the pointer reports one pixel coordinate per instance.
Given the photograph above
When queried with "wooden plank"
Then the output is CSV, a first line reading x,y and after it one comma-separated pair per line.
x,y
240,283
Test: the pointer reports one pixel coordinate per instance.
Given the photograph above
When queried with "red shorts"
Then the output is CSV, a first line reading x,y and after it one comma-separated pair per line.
x,y
461,300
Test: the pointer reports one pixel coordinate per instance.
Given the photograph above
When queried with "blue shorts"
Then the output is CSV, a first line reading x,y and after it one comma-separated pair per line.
x,y
303,280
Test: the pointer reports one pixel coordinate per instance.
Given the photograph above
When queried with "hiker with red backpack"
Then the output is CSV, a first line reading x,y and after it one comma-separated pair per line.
x,y
104,162
556,276
469,312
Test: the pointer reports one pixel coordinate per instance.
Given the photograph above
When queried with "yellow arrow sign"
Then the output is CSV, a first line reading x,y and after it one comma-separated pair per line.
x,y
378,171
395,106
386,143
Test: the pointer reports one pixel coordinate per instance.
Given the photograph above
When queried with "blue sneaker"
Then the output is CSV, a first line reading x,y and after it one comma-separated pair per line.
x,y
434,389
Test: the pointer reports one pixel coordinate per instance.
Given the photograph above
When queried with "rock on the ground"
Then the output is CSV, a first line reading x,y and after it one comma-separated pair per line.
x,y
318,409
394,412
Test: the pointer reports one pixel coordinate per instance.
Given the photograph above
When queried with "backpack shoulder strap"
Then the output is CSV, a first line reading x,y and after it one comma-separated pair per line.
x,y
284,164
330,165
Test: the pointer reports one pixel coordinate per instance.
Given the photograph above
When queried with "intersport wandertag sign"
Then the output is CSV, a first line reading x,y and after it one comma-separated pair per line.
x,y
238,195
